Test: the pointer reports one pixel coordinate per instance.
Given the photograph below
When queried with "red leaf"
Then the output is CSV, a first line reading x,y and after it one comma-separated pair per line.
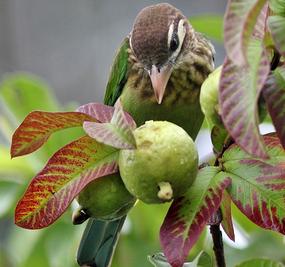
x,y
101,112
258,185
38,126
260,27
227,222
67,172
274,95
188,215
118,133
240,19
240,88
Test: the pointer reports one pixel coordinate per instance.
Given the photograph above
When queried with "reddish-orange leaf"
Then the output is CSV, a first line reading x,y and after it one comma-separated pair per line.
x,y
67,172
39,125
227,222
258,184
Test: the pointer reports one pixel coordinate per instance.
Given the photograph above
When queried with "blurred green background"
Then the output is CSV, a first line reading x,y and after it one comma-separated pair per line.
x,y
56,245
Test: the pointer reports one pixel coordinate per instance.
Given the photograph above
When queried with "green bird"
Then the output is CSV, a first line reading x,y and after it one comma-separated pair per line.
x,y
157,73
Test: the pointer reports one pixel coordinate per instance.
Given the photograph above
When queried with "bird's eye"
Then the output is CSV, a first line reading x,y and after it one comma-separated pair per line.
x,y
174,43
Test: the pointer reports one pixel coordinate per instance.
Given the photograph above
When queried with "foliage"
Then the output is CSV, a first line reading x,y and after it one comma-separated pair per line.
x,y
249,169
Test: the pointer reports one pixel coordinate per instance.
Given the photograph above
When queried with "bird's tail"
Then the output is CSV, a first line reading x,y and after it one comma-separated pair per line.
x,y
98,242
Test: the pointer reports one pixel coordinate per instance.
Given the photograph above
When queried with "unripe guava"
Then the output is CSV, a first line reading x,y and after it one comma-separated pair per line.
x,y
106,198
164,164
209,98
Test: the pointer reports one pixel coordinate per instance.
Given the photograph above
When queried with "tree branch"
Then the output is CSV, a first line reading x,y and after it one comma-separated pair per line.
x,y
217,237
218,245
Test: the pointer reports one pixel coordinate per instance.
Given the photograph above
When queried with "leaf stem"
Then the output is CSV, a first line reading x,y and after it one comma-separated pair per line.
x,y
218,245
275,60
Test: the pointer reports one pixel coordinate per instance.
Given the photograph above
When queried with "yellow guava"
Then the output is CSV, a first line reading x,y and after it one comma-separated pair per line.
x,y
164,164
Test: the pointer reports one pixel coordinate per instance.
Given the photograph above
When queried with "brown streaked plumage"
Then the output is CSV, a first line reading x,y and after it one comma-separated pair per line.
x,y
149,46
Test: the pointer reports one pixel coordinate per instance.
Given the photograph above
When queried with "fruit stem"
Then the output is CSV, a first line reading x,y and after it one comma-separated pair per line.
x,y
165,191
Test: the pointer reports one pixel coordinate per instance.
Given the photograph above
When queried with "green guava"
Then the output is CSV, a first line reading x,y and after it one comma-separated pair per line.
x,y
209,99
105,198
163,165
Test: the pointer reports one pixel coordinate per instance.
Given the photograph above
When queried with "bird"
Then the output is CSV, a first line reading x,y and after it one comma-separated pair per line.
x,y
157,73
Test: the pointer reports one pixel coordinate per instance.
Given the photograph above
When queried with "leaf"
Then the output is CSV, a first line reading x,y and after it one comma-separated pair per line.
x,y
18,168
240,88
121,118
219,136
39,125
189,214
227,222
118,133
274,95
260,27
278,7
258,185
202,260
277,27
211,25
101,112
67,172
240,19
205,260
260,262
25,92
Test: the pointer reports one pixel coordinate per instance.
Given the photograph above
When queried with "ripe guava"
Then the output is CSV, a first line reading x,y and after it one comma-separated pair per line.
x,y
163,165
105,198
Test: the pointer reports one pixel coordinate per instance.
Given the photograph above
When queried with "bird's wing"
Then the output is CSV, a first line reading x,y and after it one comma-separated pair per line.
x,y
100,237
98,242
118,74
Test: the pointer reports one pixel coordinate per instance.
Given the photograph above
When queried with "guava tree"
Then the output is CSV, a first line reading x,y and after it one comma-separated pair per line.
x,y
248,169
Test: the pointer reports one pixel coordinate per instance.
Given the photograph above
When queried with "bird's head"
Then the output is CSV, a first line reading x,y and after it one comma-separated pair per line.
x,y
159,36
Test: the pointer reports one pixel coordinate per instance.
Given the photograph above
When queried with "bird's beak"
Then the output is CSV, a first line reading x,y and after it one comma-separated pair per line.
x,y
159,79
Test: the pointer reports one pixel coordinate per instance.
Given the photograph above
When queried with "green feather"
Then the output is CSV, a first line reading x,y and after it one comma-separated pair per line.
x,y
118,74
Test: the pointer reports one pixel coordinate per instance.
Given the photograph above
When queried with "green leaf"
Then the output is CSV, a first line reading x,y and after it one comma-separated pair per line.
x,y
189,214
205,260
274,95
240,88
25,92
260,262
10,169
210,25
258,185
277,27
218,137
67,172
278,7
240,19
38,126
117,133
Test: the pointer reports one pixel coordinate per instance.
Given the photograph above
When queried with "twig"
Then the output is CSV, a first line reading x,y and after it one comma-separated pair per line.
x,y
275,60
218,245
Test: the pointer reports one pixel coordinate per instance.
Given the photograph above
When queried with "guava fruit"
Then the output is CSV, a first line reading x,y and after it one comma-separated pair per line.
x,y
209,99
105,198
163,165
